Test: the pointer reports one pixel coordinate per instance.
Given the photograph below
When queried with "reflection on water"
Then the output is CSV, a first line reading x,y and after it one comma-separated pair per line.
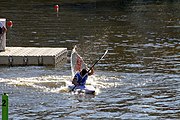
x,y
141,37
137,79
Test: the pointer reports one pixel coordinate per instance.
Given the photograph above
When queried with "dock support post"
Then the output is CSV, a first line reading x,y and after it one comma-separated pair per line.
x,y
5,106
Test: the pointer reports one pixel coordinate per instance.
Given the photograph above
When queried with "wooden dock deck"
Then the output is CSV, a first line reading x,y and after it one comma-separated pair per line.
x,y
37,56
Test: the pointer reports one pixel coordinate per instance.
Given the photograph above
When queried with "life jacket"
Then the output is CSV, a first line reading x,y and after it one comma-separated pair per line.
x,y
81,79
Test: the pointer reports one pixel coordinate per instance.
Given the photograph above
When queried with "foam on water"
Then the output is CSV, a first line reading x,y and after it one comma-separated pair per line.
x,y
43,80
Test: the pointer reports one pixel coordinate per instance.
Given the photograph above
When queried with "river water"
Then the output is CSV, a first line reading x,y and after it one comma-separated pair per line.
x,y
138,78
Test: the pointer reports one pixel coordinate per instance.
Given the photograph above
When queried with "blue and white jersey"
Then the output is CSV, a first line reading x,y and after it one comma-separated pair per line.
x,y
81,79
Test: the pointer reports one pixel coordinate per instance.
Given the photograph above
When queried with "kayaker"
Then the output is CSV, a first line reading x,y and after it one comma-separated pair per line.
x,y
3,29
81,77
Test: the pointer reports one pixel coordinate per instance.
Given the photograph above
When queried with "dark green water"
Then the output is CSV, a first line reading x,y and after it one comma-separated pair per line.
x,y
138,79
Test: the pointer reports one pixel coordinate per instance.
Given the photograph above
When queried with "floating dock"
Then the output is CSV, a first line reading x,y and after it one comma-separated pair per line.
x,y
33,56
